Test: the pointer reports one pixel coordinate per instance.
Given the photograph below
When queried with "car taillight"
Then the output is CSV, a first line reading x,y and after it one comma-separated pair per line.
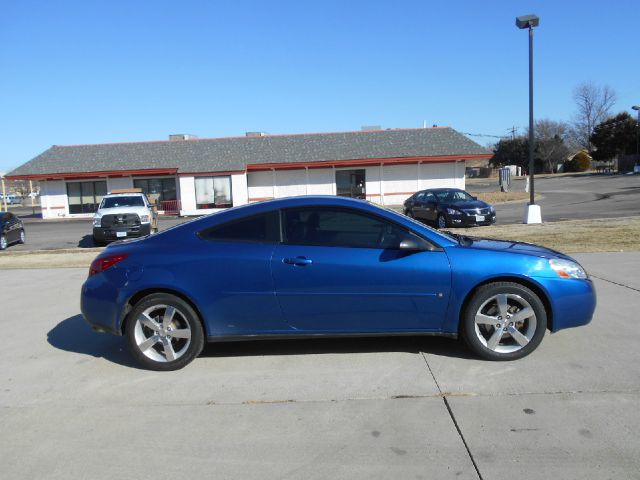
x,y
100,264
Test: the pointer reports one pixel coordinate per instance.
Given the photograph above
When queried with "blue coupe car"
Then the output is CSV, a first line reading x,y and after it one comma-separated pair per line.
x,y
328,266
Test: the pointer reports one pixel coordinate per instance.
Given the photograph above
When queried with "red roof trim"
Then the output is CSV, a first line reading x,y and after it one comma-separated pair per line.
x,y
101,174
209,174
257,137
366,161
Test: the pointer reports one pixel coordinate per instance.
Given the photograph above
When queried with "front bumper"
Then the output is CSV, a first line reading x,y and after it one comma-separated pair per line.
x,y
110,234
466,220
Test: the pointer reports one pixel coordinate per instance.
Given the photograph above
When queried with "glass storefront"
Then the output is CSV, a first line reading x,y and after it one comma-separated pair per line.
x,y
157,189
84,197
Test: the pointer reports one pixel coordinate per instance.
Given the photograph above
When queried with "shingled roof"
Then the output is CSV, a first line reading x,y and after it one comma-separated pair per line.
x,y
237,153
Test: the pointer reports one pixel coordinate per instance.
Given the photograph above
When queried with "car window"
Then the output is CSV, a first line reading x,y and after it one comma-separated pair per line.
x,y
336,227
460,196
132,201
263,228
429,197
419,196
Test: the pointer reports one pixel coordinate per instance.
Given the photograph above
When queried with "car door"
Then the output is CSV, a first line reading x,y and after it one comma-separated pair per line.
x,y
231,276
12,228
338,270
418,206
430,208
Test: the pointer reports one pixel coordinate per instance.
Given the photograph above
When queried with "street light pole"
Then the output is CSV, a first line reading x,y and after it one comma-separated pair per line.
x,y
533,212
637,108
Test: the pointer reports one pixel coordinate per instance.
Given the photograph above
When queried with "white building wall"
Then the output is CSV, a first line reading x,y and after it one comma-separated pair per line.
x,y
53,199
260,186
119,182
239,190
290,183
187,188
321,181
441,175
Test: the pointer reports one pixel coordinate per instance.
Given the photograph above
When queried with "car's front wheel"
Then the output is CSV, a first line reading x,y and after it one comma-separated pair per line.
x,y
442,221
3,242
504,321
164,332
23,237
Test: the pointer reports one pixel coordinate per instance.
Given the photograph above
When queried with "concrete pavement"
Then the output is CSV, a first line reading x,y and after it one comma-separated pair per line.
x,y
74,405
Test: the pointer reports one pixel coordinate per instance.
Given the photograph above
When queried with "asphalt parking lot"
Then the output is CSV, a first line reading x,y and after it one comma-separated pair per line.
x,y
561,198
75,406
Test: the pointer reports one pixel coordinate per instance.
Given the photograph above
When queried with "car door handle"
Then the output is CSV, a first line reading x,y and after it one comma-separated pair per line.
x,y
298,261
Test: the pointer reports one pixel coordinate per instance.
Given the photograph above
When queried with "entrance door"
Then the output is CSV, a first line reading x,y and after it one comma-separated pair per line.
x,y
351,183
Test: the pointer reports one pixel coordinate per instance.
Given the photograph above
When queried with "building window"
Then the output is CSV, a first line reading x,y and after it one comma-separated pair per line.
x,y
84,197
157,189
213,192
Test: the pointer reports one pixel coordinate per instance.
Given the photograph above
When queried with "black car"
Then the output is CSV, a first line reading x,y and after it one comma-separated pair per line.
x,y
11,230
449,207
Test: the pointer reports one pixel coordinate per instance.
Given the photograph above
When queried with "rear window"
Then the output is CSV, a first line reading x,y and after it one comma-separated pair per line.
x,y
263,228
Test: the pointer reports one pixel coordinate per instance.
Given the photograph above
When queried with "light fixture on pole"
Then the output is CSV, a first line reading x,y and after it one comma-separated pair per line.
x,y
533,213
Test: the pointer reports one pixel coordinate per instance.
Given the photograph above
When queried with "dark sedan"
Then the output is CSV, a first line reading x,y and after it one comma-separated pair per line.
x,y
306,267
449,207
11,230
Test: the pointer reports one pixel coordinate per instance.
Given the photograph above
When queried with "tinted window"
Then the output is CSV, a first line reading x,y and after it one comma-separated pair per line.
x,y
259,228
334,227
112,202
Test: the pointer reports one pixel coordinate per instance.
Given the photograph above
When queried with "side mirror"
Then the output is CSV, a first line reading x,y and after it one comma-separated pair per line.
x,y
413,243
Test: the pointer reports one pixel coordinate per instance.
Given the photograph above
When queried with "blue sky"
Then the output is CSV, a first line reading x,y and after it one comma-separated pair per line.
x,y
76,72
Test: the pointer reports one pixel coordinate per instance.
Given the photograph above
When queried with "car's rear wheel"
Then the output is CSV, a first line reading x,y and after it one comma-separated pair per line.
x,y
23,237
442,221
3,242
164,332
504,321
409,214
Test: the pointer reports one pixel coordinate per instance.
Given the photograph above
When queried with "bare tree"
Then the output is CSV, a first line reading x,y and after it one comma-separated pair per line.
x,y
594,105
550,147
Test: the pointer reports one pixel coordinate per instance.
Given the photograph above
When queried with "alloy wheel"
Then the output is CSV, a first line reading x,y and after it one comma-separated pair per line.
x,y
505,323
162,333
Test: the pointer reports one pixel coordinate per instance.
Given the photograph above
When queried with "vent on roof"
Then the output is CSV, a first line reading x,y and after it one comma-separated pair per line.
x,y
182,136
368,128
256,134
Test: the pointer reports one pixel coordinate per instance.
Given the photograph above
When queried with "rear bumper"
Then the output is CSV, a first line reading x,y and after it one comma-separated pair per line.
x,y
110,234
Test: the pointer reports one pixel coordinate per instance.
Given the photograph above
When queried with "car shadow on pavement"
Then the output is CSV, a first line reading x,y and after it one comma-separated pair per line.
x,y
74,335
86,242
430,345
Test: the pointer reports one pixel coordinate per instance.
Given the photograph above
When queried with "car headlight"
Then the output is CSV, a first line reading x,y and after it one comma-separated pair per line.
x,y
567,269
453,211
144,218
97,221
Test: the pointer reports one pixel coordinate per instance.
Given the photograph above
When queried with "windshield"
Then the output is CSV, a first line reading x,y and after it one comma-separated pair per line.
x,y
453,196
113,202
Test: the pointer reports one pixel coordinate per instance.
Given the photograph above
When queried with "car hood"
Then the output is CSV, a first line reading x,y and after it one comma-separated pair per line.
x,y
472,204
511,246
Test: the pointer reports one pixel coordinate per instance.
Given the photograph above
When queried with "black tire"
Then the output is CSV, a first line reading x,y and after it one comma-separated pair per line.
x,y
98,243
23,237
484,321
3,242
409,214
441,222
157,355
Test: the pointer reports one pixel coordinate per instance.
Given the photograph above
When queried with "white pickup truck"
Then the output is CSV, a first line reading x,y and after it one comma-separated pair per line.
x,y
122,214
